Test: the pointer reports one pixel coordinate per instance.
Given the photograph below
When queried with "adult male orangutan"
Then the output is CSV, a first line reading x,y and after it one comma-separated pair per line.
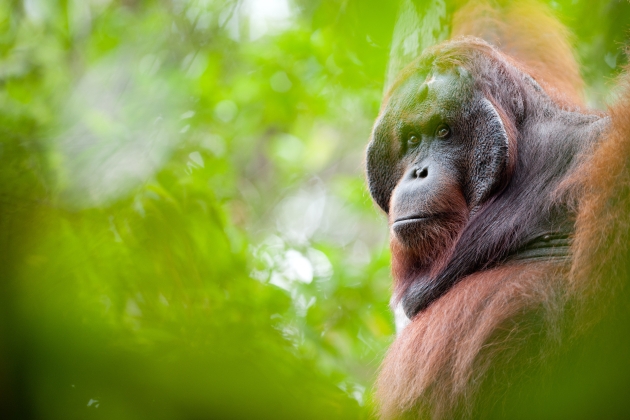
x,y
508,204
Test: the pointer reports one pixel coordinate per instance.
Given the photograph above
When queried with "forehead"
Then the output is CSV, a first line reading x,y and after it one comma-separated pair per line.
x,y
422,91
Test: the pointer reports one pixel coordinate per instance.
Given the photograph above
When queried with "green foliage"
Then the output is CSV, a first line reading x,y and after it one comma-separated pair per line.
x,y
184,226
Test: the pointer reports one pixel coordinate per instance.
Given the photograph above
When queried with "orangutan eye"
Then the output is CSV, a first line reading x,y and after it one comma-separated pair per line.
x,y
443,131
413,140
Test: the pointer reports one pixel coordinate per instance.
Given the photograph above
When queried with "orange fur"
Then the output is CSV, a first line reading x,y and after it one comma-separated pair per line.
x,y
438,363
527,31
603,227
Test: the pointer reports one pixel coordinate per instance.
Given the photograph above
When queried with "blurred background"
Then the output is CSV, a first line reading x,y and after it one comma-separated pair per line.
x,y
185,231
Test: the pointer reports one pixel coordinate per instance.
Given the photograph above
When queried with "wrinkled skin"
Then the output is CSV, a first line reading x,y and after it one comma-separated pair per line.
x,y
448,150
472,152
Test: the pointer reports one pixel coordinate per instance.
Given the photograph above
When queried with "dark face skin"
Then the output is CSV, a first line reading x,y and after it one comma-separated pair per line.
x,y
431,162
